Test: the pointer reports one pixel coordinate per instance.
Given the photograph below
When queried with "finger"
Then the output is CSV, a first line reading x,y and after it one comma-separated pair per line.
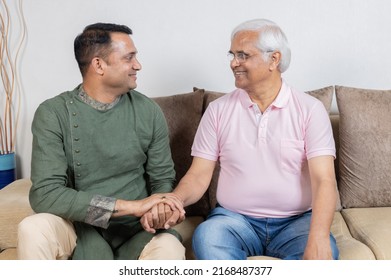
x,y
175,199
161,213
182,217
145,221
155,217
173,220
174,202
167,211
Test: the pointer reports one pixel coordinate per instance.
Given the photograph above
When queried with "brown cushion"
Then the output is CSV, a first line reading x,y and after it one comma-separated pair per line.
x,y
365,147
325,95
183,114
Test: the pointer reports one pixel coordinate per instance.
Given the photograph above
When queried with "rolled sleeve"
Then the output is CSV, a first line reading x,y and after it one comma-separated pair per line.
x,y
100,210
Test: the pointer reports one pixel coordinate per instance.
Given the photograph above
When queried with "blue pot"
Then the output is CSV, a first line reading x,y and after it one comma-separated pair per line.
x,y
7,169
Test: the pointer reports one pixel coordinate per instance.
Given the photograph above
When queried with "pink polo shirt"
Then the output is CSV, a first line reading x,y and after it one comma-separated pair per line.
x,y
263,157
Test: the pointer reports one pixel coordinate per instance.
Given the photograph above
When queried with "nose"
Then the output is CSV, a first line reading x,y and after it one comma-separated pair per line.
x,y
136,65
234,62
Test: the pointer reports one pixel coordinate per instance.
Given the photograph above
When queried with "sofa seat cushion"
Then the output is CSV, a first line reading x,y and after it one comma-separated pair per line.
x,y
14,197
186,229
349,247
371,226
9,254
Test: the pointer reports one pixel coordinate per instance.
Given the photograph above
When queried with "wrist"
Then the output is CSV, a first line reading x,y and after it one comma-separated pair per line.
x,y
121,208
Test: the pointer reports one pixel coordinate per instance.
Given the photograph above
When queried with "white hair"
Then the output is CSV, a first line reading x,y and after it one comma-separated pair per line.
x,y
271,38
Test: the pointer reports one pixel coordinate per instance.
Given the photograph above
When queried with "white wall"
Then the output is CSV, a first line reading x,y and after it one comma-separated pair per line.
x,y
184,43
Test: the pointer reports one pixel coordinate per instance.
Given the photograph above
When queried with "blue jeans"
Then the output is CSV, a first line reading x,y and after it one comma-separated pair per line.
x,y
226,235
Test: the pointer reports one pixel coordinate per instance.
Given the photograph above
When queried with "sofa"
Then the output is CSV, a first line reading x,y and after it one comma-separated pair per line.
x,y
362,133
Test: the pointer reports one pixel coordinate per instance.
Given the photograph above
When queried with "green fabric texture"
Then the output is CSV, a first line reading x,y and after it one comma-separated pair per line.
x,y
118,242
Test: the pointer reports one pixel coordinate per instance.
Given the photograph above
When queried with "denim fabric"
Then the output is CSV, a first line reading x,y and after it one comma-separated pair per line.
x,y
226,235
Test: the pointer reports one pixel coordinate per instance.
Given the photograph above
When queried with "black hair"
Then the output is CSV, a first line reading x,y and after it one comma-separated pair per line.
x,y
95,40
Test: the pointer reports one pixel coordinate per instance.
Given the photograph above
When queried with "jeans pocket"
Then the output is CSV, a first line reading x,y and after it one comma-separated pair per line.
x,y
292,155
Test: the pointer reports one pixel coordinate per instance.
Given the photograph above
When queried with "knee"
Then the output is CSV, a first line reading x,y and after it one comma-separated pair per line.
x,y
202,232
28,225
209,234
163,246
40,227
35,223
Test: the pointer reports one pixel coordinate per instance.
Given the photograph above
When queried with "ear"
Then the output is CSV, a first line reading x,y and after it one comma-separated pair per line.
x,y
98,65
275,60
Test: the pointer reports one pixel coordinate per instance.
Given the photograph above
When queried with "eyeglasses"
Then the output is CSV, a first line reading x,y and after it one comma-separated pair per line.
x,y
241,57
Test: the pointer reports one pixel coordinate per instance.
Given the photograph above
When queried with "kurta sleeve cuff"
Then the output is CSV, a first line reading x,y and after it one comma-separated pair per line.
x,y
100,210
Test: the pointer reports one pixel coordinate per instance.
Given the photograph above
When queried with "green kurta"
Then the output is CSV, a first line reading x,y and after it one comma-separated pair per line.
x,y
83,159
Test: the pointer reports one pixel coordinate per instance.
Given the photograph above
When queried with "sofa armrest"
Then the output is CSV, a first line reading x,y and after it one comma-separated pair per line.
x,y
14,207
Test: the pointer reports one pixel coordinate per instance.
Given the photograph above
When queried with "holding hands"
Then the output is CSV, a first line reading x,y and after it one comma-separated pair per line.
x,y
158,211
164,214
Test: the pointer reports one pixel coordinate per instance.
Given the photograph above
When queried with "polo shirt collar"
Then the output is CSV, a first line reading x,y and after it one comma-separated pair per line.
x,y
281,100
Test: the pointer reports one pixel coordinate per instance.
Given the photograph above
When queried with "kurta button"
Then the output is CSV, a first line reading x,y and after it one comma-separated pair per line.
x,y
78,175
77,151
73,114
78,164
77,139
76,126
70,102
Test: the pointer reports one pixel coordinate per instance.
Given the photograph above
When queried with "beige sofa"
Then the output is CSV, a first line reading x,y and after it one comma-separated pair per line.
x,y
362,130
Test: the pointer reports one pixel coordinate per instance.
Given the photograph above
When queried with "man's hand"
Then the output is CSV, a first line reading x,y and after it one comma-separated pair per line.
x,y
162,216
318,250
139,207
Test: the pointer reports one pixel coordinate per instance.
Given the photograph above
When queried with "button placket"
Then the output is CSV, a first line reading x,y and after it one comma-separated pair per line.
x,y
75,141
263,126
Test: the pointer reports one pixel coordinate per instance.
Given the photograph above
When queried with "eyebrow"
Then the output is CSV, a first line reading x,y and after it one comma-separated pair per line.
x,y
237,52
130,54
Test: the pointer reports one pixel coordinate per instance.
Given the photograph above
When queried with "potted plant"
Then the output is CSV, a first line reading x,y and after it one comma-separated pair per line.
x,y
9,92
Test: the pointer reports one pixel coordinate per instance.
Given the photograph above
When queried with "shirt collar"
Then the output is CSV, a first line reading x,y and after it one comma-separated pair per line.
x,y
280,102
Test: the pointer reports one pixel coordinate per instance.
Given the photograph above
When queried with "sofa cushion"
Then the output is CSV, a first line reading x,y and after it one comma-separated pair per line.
x,y
349,247
371,226
365,147
14,198
325,95
186,230
183,114
9,254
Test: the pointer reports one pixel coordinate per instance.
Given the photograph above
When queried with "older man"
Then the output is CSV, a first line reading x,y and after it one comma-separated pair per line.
x,y
276,191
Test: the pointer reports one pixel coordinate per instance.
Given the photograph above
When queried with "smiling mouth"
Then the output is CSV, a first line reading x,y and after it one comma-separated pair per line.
x,y
239,73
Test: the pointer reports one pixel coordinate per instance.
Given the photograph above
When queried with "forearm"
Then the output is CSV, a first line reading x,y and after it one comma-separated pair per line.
x,y
190,189
73,205
323,208
123,208
196,181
